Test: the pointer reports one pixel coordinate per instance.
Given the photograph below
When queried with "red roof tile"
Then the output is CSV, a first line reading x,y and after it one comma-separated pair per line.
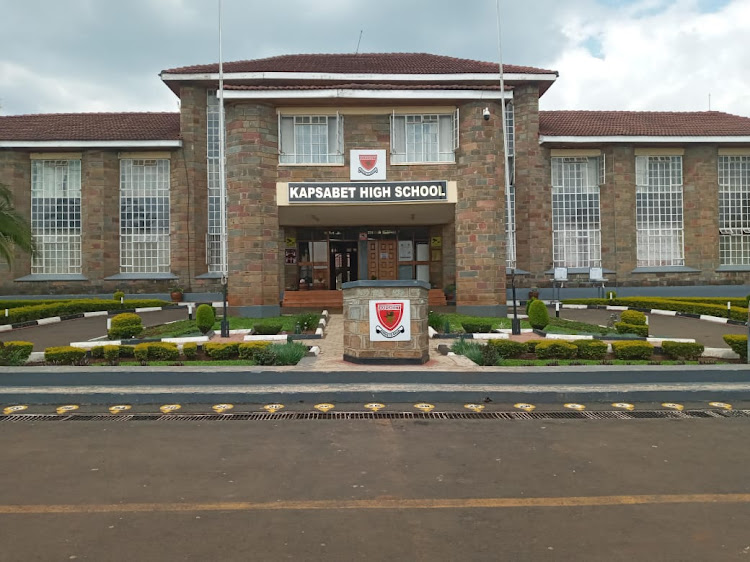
x,y
641,123
90,127
363,63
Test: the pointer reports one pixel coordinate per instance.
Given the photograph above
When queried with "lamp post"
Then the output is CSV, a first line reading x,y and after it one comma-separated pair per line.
x,y
515,323
224,318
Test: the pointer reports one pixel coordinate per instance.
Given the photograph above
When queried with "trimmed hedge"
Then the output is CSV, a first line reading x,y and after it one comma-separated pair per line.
x,y
64,355
477,326
436,321
190,350
637,329
538,315
687,351
26,302
205,317
222,350
157,351
635,317
556,349
69,307
506,349
632,349
248,350
676,304
738,344
14,353
111,353
591,349
531,345
268,327
125,326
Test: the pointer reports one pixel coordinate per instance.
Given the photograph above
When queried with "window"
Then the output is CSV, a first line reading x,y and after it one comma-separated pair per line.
x,y
510,211
213,234
658,211
576,230
144,216
424,138
734,210
311,139
56,216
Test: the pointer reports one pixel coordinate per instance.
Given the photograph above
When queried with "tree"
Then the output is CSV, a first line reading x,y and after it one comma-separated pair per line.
x,y
15,231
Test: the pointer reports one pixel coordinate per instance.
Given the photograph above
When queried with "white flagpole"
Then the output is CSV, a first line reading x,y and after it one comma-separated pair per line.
x,y
223,190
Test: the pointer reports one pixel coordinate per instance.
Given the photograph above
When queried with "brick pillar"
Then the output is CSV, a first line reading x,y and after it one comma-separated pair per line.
x,y
621,223
480,220
189,190
100,217
255,272
15,173
700,200
533,188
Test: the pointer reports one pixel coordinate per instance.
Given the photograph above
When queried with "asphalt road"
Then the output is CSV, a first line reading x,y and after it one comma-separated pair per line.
x,y
376,490
83,329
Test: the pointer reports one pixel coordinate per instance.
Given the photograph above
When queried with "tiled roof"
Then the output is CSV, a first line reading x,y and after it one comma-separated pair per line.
x,y
366,86
641,123
363,63
90,127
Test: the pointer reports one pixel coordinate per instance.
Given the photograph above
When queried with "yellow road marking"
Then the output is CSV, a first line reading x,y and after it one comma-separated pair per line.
x,y
328,505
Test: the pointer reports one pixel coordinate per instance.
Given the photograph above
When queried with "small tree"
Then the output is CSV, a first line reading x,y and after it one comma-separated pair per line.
x,y
538,315
15,231
205,318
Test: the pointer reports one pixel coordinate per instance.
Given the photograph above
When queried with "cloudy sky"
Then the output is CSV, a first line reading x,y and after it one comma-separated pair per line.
x,y
105,55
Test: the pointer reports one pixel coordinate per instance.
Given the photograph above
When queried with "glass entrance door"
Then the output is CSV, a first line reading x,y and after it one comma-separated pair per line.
x,y
343,263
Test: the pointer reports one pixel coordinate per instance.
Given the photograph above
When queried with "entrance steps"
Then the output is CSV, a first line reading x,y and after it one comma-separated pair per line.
x,y
334,300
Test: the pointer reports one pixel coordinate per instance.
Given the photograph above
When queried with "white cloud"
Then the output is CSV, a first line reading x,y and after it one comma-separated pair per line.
x,y
656,57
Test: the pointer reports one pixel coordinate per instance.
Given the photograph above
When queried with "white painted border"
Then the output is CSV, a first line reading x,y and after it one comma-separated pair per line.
x,y
345,93
636,138
360,77
92,144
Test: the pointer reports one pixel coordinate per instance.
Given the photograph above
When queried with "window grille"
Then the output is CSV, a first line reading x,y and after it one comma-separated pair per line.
x,y
734,210
659,219
311,139
144,216
576,227
510,229
56,216
424,138
213,234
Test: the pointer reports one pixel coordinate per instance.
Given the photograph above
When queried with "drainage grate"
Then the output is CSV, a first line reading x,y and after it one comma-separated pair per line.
x,y
281,416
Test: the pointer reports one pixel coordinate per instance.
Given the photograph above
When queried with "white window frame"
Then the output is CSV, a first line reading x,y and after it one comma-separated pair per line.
x,y
576,212
144,191
296,147
409,131
659,214
56,216
734,210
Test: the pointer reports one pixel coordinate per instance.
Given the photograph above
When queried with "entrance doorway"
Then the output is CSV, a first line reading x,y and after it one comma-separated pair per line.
x,y
343,266
382,259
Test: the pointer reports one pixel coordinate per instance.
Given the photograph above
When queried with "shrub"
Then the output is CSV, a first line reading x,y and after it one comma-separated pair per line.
x,y
127,351
468,348
738,343
633,317
556,349
308,321
688,351
125,326
528,304
266,356
157,351
489,356
436,321
477,326
632,350
268,327
64,355
289,353
531,345
247,350
97,352
190,350
222,350
639,330
14,353
118,295
205,317
538,315
45,309
507,348
141,352
610,295
111,353
591,349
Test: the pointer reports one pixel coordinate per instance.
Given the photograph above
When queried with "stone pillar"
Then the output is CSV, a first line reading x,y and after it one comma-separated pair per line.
x,y
358,346
255,268
480,219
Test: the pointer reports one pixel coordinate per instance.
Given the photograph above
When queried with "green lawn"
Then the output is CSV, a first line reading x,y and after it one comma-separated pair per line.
x,y
455,321
185,328
187,363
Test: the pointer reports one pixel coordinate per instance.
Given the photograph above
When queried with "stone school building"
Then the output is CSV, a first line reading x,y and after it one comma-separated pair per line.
x,y
374,166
